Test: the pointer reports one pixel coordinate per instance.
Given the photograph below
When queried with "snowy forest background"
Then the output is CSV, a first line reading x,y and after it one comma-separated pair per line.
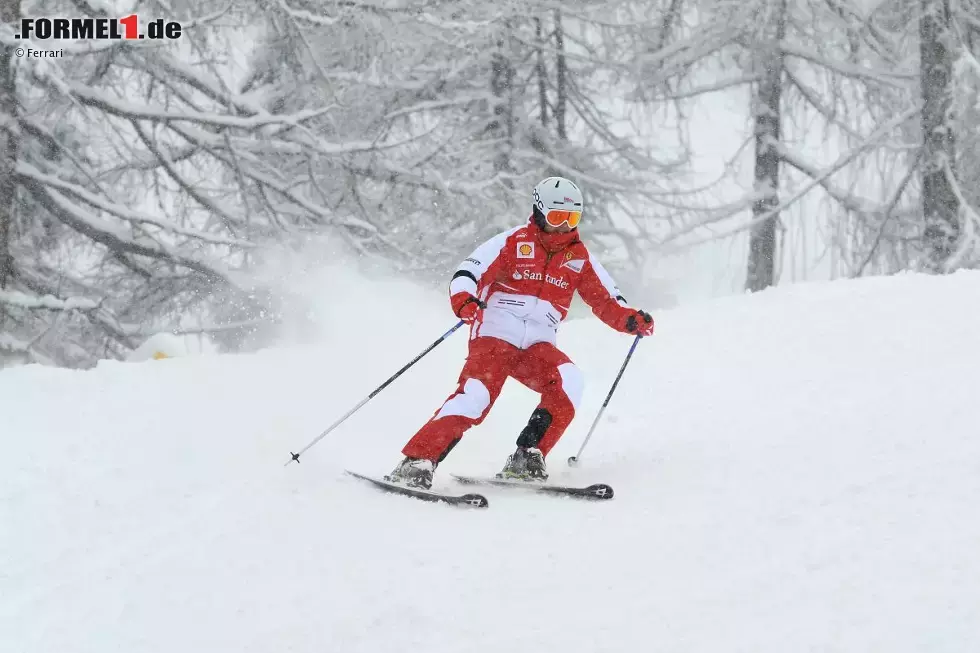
x,y
722,145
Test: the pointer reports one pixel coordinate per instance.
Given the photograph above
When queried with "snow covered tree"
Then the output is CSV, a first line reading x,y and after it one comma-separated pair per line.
x,y
767,117
966,113
937,230
492,97
142,187
145,185
820,77
940,205
9,141
10,348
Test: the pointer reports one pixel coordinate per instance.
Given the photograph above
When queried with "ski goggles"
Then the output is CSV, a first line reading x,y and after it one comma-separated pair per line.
x,y
558,218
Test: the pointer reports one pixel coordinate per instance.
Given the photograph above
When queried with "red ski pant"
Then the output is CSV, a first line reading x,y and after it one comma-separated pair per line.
x,y
541,367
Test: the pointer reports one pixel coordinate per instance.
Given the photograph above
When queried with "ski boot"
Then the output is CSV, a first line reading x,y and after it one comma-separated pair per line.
x,y
526,464
413,472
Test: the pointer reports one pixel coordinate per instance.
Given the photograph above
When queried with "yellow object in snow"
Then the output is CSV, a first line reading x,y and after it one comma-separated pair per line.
x,y
158,355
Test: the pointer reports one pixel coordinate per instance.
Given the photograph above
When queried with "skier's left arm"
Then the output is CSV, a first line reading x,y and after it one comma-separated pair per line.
x,y
598,289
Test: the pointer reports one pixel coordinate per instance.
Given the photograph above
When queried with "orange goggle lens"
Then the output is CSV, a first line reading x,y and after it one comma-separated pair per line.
x,y
558,218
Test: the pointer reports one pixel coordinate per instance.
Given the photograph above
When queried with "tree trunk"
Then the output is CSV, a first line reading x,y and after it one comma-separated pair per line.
x,y
9,142
940,207
766,111
542,73
501,126
561,71
670,18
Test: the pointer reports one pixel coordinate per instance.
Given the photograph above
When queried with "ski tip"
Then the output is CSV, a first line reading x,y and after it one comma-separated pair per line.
x,y
475,500
601,491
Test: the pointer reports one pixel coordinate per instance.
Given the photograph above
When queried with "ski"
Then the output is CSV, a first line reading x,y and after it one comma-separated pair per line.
x,y
463,501
597,491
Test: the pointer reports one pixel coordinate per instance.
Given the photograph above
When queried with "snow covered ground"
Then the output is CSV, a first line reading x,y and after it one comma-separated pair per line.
x,y
795,471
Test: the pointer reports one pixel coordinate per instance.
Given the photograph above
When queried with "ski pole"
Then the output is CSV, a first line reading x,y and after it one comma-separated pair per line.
x,y
295,456
573,460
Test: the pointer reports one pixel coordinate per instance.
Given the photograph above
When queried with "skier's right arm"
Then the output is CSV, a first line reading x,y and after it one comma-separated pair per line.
x,y
481,264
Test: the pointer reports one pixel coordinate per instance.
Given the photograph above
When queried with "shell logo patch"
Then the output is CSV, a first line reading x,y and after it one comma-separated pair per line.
x,y
525,250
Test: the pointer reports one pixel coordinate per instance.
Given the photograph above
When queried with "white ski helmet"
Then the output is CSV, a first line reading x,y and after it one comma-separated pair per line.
x,y
558,195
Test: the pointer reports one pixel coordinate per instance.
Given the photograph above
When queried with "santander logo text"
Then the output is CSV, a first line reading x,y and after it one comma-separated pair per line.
x,y
547,278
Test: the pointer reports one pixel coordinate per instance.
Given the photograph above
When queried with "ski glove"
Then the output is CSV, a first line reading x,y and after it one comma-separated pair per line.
x,y
640,323
467,307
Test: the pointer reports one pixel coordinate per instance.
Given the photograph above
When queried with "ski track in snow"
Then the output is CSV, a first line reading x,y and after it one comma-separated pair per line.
x,y
795,471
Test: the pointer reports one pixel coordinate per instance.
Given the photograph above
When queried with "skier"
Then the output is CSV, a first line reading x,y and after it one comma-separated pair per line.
x,y
514,290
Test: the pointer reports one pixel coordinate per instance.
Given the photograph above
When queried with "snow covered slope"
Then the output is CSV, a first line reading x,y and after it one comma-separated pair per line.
x,y
797,470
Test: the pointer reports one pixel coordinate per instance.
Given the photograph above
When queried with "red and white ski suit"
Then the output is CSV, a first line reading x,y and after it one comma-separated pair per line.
x,y
527,278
